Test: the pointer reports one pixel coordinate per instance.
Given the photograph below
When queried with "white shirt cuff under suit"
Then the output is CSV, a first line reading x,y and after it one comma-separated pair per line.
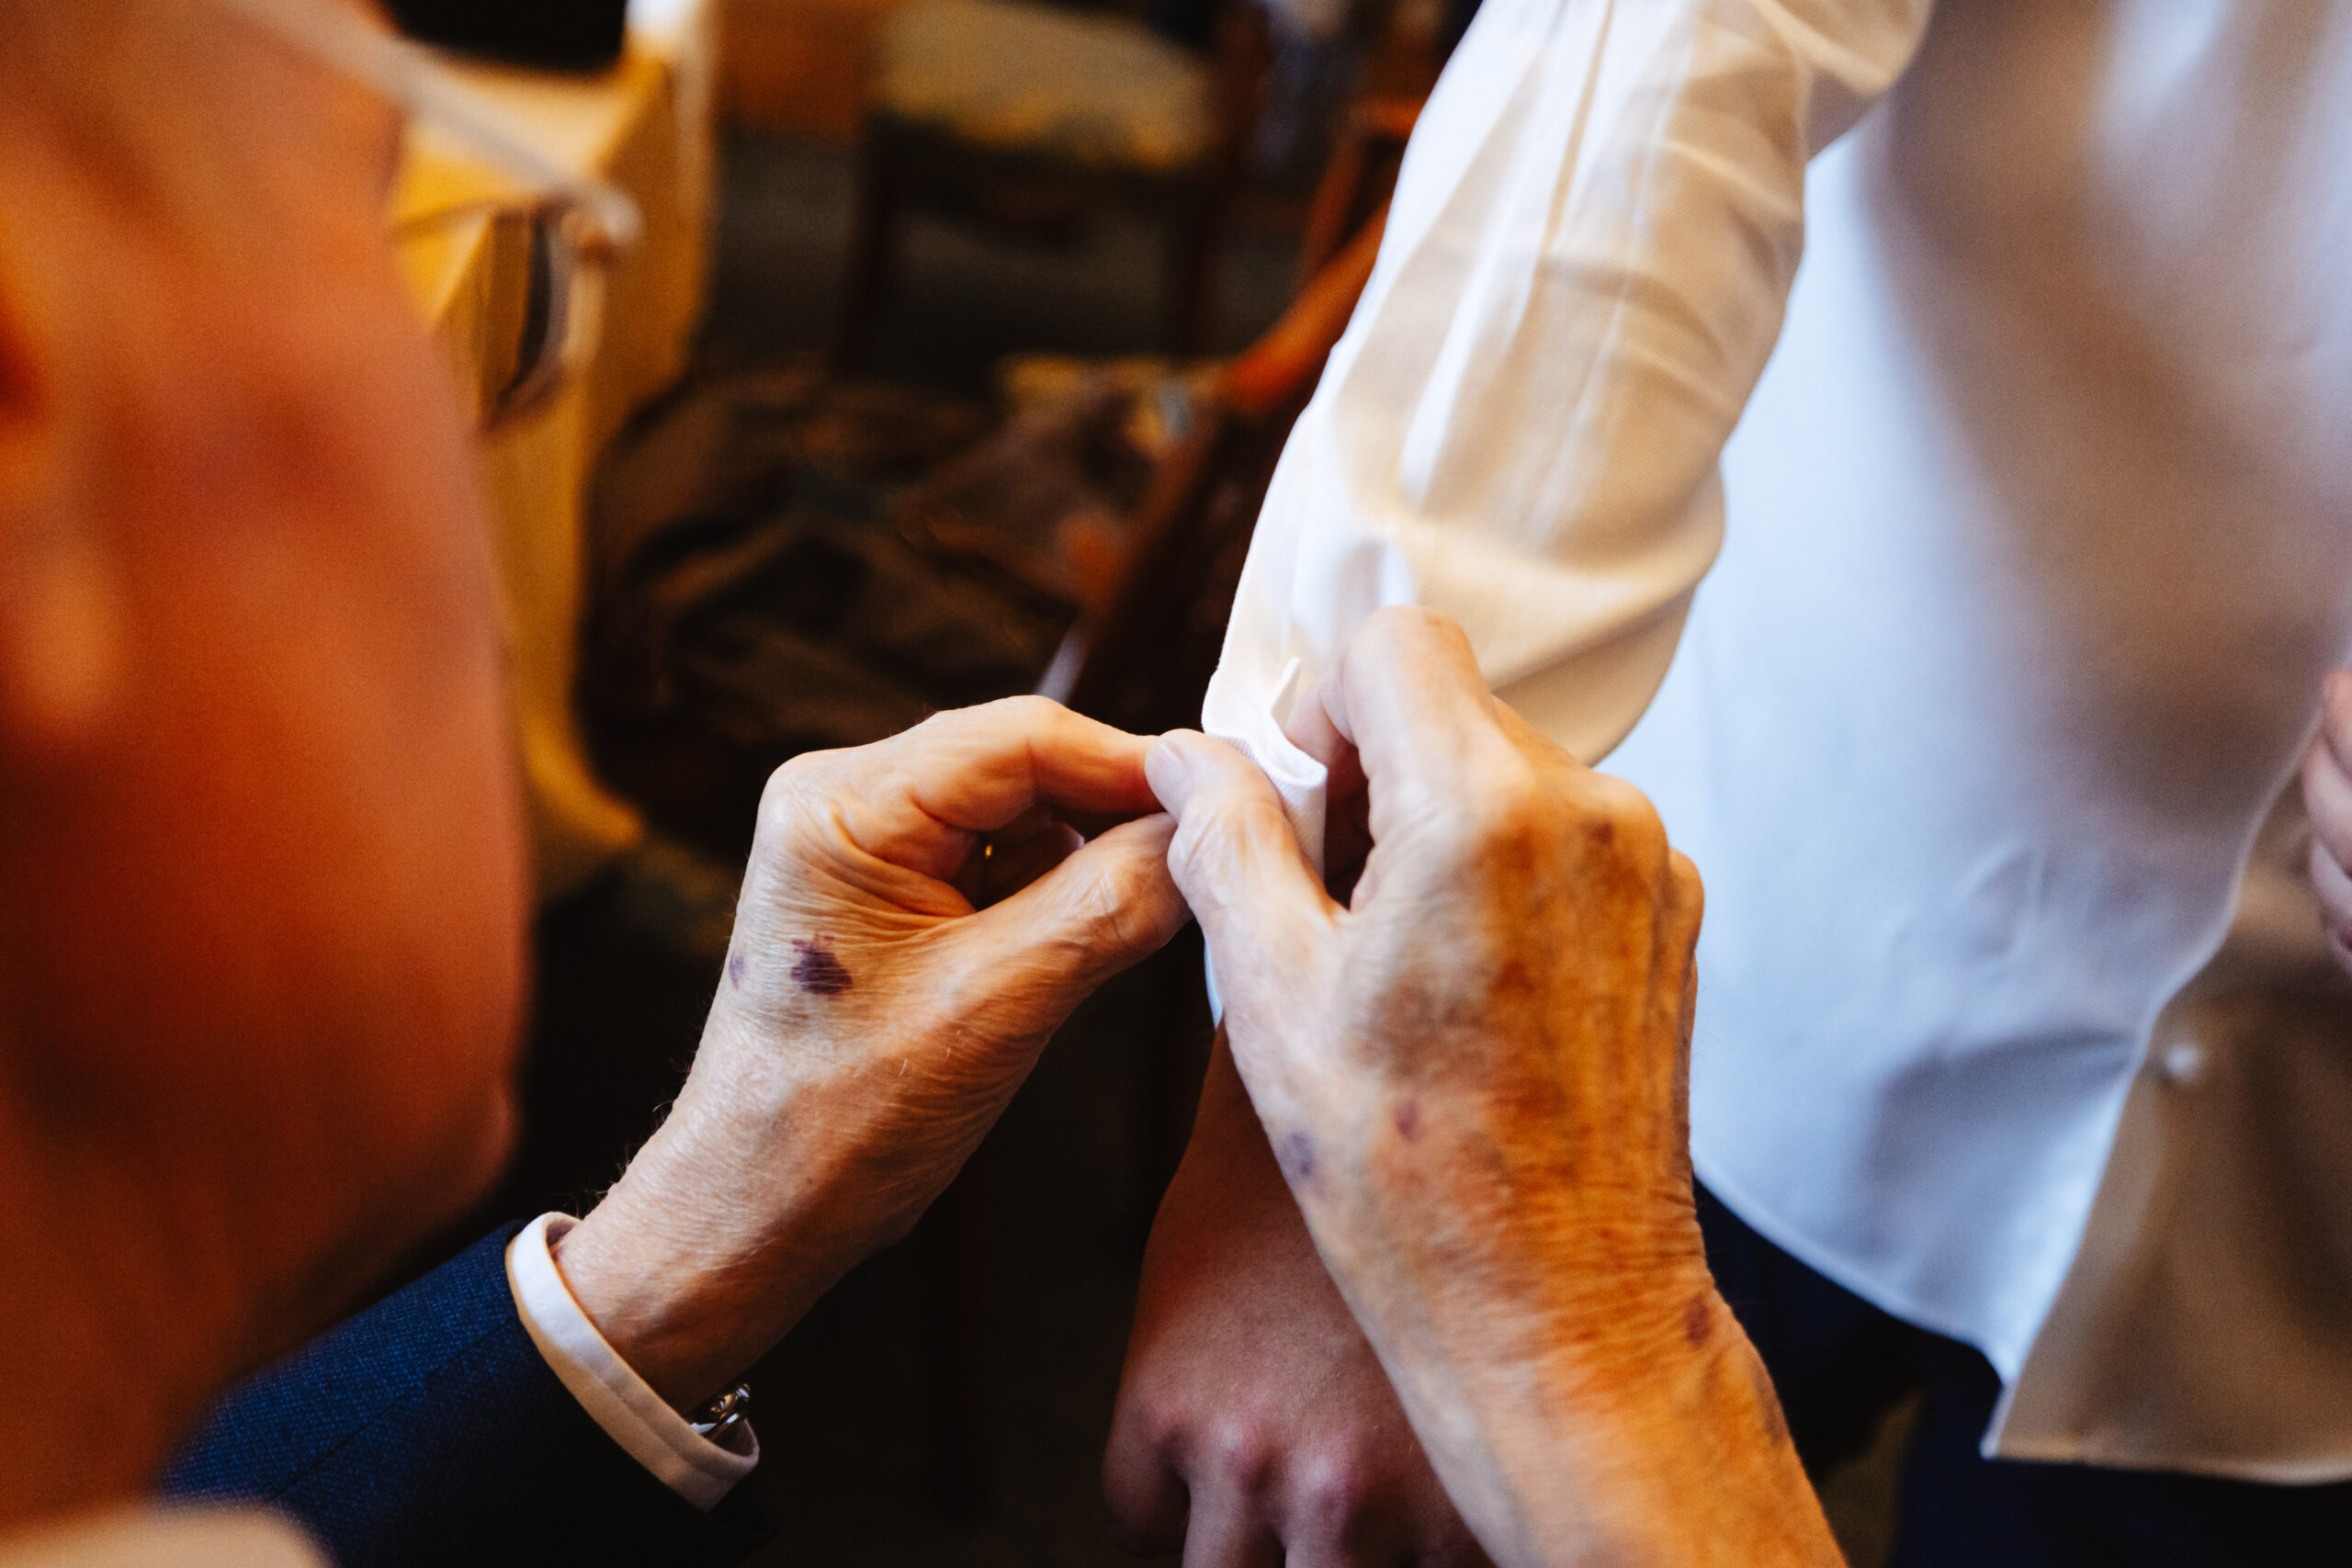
x,y
618,1399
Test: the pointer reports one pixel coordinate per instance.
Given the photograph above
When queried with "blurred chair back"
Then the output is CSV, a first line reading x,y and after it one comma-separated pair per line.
x,y
1141,656
1027,116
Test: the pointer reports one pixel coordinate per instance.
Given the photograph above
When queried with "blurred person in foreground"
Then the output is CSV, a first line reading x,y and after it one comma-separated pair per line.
x,y
2022,1081
261,944
262,892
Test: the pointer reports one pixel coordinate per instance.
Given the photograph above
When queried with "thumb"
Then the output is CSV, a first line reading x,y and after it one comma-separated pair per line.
x,y
1260,903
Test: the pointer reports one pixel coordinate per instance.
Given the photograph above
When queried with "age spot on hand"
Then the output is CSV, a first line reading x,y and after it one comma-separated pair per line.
x,y
1768,1399
1698,1322
735,970
1408,1119
1296,1154
818,971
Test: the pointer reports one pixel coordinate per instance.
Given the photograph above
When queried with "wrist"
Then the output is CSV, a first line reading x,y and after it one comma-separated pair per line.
x,y
1640,1436
685,1281
1496,1256
1701,1406
655,1300
722,1234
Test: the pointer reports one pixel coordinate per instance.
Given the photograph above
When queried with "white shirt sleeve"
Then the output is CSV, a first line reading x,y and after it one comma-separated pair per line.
x,y
623,1404
1585,268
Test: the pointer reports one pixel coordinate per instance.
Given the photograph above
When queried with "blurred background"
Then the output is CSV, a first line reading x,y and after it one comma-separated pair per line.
x,y
952,363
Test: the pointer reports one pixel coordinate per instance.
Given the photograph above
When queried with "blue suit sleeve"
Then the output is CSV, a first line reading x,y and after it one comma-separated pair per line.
x,y
428,1430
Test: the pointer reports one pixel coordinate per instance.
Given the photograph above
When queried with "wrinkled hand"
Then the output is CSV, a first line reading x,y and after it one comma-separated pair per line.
x,y
2327,801
1254,1425
918,917
1474,1077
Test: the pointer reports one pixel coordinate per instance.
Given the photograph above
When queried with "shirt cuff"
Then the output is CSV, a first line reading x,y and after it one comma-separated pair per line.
x,y
619,1401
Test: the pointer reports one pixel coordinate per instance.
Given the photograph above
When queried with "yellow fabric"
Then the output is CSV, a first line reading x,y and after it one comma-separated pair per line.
x,y
172,1538
645,126
1097,91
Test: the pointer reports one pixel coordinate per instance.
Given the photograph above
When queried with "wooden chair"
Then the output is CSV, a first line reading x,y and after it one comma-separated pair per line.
x,y
1365,154
1146,649
1400,68
1012,107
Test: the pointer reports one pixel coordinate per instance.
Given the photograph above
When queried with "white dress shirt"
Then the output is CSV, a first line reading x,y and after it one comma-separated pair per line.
x,y
609,1388
2014,1016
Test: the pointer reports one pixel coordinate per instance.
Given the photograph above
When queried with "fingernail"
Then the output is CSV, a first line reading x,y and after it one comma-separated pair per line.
x,y
1168,769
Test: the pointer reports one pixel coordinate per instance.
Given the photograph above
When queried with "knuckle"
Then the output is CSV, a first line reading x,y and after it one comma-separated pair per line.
x,y
1690,887
929,724
1152,1421
1166,1426
1188,858
2328,869
1620,804
1510,814
2327,792
791,776
1613,812
2334,888
1224,836
792,784
1106,919
2320,766
1240,1455
1335,1493
1026,712
2333,747
2335,705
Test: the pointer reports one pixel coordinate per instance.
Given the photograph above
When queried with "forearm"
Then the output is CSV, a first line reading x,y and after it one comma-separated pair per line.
x,y
1620,1443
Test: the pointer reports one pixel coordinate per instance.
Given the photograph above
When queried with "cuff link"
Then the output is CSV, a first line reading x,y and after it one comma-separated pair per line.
x,y
718,1419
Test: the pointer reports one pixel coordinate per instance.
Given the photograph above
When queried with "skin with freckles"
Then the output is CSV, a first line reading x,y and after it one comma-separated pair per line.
x,y
1474,1072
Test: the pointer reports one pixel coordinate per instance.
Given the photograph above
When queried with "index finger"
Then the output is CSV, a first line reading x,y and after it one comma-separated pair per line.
x,y
1408,694
922,796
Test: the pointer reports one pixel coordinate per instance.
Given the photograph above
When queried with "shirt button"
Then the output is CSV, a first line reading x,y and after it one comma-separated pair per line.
x,y
2183,1064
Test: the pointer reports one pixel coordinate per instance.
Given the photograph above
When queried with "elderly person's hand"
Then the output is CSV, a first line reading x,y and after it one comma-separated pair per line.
x,y
2327,801
1474,1076
918,918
